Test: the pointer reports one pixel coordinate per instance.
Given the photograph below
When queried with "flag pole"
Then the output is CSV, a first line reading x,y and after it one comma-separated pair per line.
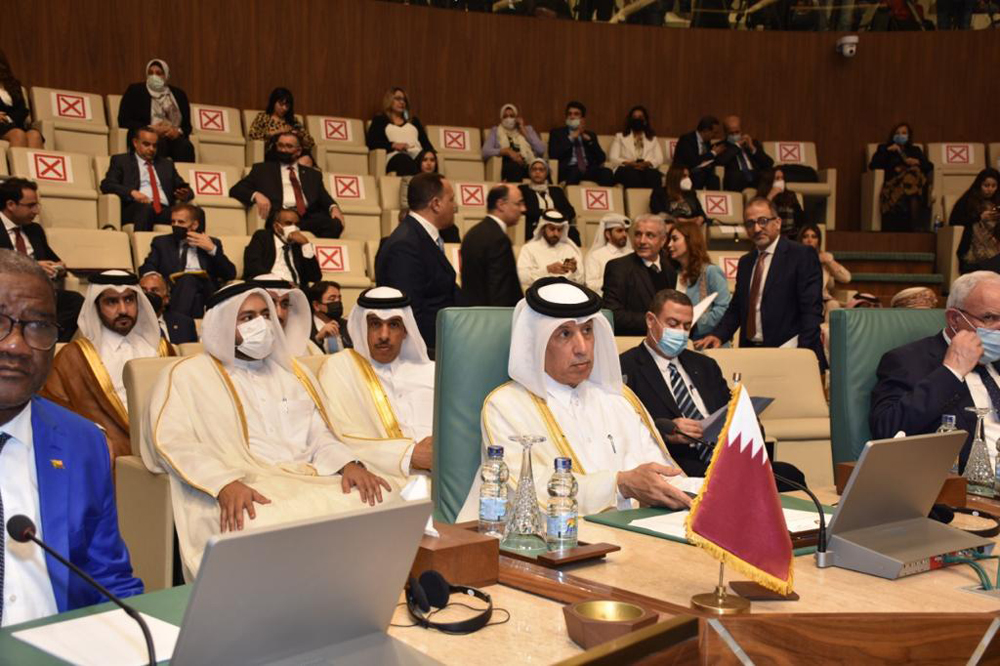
x,y
719,602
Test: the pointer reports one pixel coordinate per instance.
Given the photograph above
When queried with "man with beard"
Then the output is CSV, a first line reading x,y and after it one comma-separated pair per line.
x,y
610,242
550,253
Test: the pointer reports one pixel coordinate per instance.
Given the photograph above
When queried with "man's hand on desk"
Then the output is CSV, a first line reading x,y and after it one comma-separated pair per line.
x,y
356,476
963,353
234,499
689,427
646,484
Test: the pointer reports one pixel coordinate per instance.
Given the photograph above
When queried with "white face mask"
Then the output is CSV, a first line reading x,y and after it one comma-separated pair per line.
x,y
289,230
155,82
258,338
779,185
686,184
509,123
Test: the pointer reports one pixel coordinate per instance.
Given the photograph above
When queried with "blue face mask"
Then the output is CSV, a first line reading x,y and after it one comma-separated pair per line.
x,y
672,342
734,138
901,139
990,340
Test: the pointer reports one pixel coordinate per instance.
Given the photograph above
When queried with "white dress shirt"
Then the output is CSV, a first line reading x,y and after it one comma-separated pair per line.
x,y
10,227
663,364
981,399
656,262
116,351
287,193
769,250
406,133
191,261
410,389
27,589
144,184
431,230
280,267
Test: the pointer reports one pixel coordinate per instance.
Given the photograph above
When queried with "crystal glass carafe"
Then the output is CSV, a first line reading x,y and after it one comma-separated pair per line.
x,y
978,471
525,530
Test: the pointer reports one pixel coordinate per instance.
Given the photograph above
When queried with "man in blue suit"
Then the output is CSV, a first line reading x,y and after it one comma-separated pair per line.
x,y
55,467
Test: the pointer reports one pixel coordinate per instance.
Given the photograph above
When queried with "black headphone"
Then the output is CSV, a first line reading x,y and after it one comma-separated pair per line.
x,y
433,590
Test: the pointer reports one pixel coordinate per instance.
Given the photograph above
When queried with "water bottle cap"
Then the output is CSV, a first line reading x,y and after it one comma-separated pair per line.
x,y
494,451
948,418
564,464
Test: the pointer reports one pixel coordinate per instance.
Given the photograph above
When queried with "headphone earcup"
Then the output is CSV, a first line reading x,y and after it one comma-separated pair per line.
x,y
435,588
418,596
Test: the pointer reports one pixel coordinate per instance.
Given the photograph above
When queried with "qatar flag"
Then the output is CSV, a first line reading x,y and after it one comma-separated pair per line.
x,y
737,516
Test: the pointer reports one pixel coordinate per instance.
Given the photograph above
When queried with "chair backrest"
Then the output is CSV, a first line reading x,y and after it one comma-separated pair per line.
x,y
637,201
471,198
669,148
593,202
343,261
949,200
210,183
334,131
54,171
456,142
209,121
114,103
728,261
790,376
233,247
867,334
91,248
4,170
957,157
250,114
355,193
69,108
140,376
726,207
994,155
604,141
388,192
792,152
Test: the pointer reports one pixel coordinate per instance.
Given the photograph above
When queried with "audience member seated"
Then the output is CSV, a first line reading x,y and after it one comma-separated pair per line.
x,y
772,187
550,252
862,300
401,136
743,158
19,205
294,314
779,290
631,282
165,108
117,324
811,236
516,142
175,327
282,249
699,150
914,298
280,182
489,271
16,127
412,258
676,197
978,210
267,448
194,261
636,154
905,197
329,328
146,182
388,367
697,276
566,381
610,242
278,117
947,372
428,161
576,148
540,196
73,504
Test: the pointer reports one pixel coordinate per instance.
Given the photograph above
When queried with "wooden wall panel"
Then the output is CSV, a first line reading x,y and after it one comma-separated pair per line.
x,y
338,56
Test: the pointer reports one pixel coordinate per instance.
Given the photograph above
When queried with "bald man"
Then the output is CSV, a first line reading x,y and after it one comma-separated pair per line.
x,y
489,272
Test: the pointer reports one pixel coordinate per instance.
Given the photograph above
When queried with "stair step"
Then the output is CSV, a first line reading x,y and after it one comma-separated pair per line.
x,y
879,241
900,278
924,257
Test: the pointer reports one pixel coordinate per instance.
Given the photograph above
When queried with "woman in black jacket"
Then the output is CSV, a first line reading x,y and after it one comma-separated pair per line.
x,y
676,197
163,107
773,188
402,138
978,210
15,119
904,199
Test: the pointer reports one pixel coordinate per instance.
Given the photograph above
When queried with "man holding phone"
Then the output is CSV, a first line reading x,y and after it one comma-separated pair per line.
x,y
550,252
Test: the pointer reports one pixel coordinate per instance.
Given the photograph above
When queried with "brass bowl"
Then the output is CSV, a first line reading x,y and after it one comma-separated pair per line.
x,y
597,621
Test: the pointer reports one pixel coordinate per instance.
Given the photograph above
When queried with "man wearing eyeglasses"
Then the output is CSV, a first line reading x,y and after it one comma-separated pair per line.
x,y
778,301
948,372
53,466
117,324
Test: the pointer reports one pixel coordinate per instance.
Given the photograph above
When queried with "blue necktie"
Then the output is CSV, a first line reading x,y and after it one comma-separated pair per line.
x,y
744,166
440,244
682,396
991,386
3,532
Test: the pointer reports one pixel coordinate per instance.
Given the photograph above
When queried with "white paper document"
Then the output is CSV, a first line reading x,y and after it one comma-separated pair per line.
x,y
689,484
701,307
105,639
672,524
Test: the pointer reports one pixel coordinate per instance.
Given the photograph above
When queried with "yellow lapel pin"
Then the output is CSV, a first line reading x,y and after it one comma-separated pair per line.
x,y
58,464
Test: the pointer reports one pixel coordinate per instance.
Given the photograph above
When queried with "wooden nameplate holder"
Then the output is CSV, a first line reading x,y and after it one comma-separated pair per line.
x,y
557,558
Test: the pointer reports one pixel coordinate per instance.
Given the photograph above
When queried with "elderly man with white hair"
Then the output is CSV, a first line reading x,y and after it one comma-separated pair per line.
x,y
382,391
610,242
116,324
550,252
947,372
242,428
631,282
567,386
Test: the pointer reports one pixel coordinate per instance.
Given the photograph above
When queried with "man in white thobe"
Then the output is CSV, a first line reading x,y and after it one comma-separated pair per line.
x,y
384,388
241,429
610,242
550,252
294,313
567,387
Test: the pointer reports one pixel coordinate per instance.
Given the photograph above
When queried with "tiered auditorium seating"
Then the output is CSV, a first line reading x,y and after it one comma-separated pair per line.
x,y
210,185
470,197
345,262
358,198
220,134
340,144
66,185
955,167
804,153
592,203
71,121
255,147
462,149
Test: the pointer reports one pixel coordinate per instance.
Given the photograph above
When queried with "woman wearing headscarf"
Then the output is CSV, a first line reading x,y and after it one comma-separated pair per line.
x,y
540,196
978,210
516,142
163,107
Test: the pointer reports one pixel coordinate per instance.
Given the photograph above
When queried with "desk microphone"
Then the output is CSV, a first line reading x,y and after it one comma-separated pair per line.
x,y
22,529
667,428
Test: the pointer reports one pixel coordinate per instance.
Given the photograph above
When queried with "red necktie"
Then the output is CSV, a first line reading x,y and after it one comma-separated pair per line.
x,y
157,207
19,244
755,287
300,201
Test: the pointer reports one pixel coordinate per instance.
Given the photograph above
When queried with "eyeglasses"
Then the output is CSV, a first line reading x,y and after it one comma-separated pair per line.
x,y
38,334
989,318
759,222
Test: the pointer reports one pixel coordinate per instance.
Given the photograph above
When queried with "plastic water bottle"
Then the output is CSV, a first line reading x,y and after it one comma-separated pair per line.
x,y
493,493
948,425
938,222
560,533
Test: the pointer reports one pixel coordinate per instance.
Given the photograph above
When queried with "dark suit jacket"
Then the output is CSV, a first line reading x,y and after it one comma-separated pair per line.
x,y
134,110
260,253
533,211
686,152
165,258
344,337
628,291
265,177
791,300
34,234
123,177
561,148
181,327
410,261
733,179
914,389
645,379
489,272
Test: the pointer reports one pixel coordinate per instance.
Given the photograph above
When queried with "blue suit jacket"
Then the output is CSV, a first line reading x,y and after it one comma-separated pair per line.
x,y
77,501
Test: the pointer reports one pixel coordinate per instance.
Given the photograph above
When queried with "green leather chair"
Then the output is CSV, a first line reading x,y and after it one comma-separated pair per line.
x,y
473,345
858,339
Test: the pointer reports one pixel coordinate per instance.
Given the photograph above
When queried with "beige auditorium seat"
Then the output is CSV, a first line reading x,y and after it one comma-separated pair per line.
x,y
345,262
358,198
625,342
117,136
799,418
726,208
803,153
955,166
210,185
109,206
591,204
462,148
388,194
90,250
371,249
140,242
72,121
605,141
220,134
948,239
471,201
66,185
233,247
637,201
994,155
255,147
669,145
871,186
728,261
4,169
340,144
145,514
453,252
